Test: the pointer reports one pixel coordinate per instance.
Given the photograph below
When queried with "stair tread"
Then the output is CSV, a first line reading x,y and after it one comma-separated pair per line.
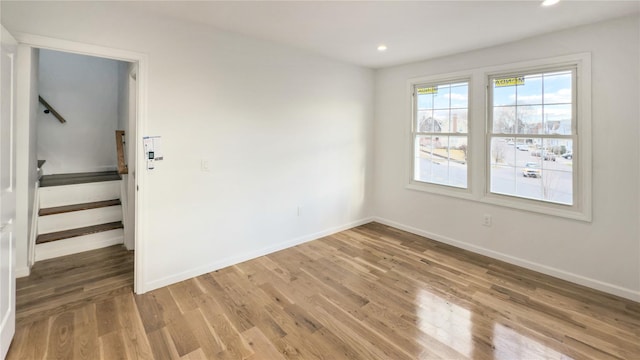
x,y
78,207
87,230
78,178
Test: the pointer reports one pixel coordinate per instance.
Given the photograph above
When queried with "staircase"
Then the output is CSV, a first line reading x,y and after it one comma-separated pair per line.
x,y
78,212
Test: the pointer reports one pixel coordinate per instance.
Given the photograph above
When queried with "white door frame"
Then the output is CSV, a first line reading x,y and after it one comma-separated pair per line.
x,y
7,232
43,42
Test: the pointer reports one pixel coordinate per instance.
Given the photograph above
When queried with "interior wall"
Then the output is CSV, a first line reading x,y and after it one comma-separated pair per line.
x,y
127,103
603,253
84,90
123,95
26,160
265,146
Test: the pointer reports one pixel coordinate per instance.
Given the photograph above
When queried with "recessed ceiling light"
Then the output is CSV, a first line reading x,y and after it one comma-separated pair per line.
x,y
382,47
550,2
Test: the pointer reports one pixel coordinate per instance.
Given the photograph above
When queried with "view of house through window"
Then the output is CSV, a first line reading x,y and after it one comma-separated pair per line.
x,y
532,135
440,133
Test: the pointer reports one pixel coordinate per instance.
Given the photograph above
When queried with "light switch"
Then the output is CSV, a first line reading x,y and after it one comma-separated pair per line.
x,y
204,165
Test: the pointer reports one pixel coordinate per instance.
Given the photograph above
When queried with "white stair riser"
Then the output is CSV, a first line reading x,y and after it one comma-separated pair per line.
x,y
78,244
52,196
77,219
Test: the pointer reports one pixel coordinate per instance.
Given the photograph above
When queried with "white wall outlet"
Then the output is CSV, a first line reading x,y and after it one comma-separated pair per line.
x,y
486,220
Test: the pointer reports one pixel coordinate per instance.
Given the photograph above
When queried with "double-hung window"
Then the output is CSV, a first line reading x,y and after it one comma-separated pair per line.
x,y
532,134
440,133
515,135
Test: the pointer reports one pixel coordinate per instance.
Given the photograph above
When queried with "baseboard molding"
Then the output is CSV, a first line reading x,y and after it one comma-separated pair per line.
x,y
79,244
22,271
155,284
544,269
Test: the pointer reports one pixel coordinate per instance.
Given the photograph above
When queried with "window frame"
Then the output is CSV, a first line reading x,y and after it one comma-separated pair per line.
x,y
573,136
430,81
479,146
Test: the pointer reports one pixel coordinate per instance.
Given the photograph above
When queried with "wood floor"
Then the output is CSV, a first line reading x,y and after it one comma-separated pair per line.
x,y
372,292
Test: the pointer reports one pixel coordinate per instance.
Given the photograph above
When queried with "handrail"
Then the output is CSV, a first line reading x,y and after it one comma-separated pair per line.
x,y
52,110
122,166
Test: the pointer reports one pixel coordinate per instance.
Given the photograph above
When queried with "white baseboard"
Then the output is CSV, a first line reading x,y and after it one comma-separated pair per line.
x,y
544,269
155,284
79,244
22,271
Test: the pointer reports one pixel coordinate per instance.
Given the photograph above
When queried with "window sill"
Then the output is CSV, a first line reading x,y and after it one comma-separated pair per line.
x,y
533,206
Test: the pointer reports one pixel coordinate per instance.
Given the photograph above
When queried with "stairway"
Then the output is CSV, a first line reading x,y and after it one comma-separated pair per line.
x,y
78,212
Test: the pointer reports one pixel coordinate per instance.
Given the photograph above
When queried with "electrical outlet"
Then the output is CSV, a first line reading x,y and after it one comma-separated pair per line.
x,y
486,220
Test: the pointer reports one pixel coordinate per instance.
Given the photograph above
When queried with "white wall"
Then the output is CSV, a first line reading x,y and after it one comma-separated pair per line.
x,y
602,254
84,90
26,161
127,105
122,102
280,128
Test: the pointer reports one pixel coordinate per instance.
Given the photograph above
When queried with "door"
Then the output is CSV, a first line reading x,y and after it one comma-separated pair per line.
x,y
7,191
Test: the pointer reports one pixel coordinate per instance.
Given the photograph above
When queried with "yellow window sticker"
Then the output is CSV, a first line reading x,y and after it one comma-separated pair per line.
x,y
512,81
428,90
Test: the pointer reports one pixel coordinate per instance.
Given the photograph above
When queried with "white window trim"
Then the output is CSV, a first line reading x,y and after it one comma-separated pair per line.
x,y
433,187
440,188
478,146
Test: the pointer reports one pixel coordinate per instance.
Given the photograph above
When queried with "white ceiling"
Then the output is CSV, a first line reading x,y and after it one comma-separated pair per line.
x,y
351,30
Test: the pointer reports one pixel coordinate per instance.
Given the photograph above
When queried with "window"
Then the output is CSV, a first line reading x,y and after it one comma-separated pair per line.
x,y
440,133
532,135
515,135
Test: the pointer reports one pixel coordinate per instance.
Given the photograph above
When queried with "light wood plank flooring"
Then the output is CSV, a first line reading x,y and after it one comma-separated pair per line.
x,y
372,292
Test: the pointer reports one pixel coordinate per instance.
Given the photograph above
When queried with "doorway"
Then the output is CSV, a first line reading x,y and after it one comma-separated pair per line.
x,y
136,87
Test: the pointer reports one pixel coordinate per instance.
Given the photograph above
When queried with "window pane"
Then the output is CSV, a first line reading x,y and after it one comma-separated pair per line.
x,y
459,95
557,186
500,151
504,119
441,99
441,123
425,121
425,101
441,160
458,161
438,157
557,88
529,119
504,95
530,93
529,181
459,122
557,119
423,158
540,169
502,179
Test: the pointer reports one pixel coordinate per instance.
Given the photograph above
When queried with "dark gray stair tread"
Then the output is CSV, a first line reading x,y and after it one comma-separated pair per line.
x,y
78,178
66,234
78,207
